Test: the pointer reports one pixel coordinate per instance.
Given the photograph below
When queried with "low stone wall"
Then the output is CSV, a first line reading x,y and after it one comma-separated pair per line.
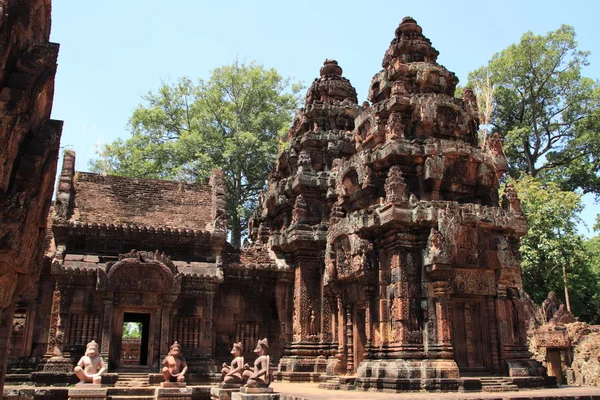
x,y
585,368
579,346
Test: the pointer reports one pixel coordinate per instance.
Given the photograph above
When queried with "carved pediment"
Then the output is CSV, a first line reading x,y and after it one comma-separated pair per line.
x,y
144,272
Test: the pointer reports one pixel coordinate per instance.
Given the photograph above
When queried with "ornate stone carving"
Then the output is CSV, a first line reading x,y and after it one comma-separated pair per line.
x,y
395,186
304,162
232,374
513,203
90,367
300,211
260,376
174,365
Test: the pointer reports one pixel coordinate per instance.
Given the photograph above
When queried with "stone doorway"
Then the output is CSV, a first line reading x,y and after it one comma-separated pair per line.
x,y
134,340
554,365
360,336
470,335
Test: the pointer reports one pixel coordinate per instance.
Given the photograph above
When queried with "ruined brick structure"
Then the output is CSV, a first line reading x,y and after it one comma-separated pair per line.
x,y
380,250
29,142
568,348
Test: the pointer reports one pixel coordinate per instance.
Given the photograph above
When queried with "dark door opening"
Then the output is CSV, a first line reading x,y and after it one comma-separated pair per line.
x,y
134,340
470,335
360,337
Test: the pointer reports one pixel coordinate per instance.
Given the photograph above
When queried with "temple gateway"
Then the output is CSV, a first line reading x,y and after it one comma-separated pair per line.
x,y
380,251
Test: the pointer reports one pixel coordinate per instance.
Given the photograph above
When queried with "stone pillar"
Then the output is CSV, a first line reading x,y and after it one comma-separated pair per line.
x,y
283,292
491,313
209,342
501,320
6,327
165,323
443,324
307,296
106,329
383,310
349,341
56,360
341,329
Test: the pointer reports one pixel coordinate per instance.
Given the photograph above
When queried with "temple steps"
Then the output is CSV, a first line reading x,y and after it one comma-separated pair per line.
x,y
493,384
132,379
338,382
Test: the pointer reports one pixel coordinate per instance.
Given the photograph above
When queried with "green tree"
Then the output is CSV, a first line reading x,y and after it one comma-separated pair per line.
x,y
232,121
132,330
547,112
592,248
553,254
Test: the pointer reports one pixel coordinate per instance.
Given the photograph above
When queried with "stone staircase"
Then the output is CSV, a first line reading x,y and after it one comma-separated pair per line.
x,y
498,384
338,382
132,379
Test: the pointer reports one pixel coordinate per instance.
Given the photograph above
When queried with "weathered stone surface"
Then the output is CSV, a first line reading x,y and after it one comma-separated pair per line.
x,y
569,349
406,265
29,140
380,249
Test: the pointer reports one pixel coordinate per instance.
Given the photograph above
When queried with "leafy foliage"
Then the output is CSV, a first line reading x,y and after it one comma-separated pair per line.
x,y
546,110
233,122
553,242
132,330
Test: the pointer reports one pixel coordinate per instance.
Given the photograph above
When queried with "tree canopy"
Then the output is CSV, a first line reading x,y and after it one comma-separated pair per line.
x,y
232,121
553,243
547,112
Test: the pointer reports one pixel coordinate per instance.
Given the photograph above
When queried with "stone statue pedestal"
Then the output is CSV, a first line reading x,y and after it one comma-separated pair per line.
x,y
223,391
85,391
85,385
264,393
173,393
173,384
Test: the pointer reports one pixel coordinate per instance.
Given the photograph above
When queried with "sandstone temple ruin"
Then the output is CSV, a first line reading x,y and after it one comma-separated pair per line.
x,y
380,254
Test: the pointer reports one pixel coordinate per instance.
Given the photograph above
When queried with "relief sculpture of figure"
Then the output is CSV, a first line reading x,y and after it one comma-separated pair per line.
x,y
233,373
261,376
174,364
90,367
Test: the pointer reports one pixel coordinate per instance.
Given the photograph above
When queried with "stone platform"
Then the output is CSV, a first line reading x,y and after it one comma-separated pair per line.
x,y
302,391
223,391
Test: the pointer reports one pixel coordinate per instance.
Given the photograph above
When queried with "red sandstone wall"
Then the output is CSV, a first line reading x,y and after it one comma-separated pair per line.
x,y
585,368
145,202
29,143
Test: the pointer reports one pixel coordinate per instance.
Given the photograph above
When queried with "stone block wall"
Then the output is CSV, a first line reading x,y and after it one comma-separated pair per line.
x,y
120,200
29,140
585,367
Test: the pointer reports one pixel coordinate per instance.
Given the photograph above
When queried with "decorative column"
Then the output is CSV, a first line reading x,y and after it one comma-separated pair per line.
x,y
491,313
307,296
55,359
341,330
209,343
106,329
349,341
501,318
443,325
6,327
383,307
165,324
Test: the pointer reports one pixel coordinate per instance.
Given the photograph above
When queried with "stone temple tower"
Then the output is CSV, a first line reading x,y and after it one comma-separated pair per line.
x,y
405,259
293,214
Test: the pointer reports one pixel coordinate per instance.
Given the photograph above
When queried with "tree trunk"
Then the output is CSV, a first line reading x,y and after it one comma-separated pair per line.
x,y
567,300
236,234
236,229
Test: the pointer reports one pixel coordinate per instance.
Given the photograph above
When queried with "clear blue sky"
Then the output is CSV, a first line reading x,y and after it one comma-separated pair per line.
x,y
112,52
